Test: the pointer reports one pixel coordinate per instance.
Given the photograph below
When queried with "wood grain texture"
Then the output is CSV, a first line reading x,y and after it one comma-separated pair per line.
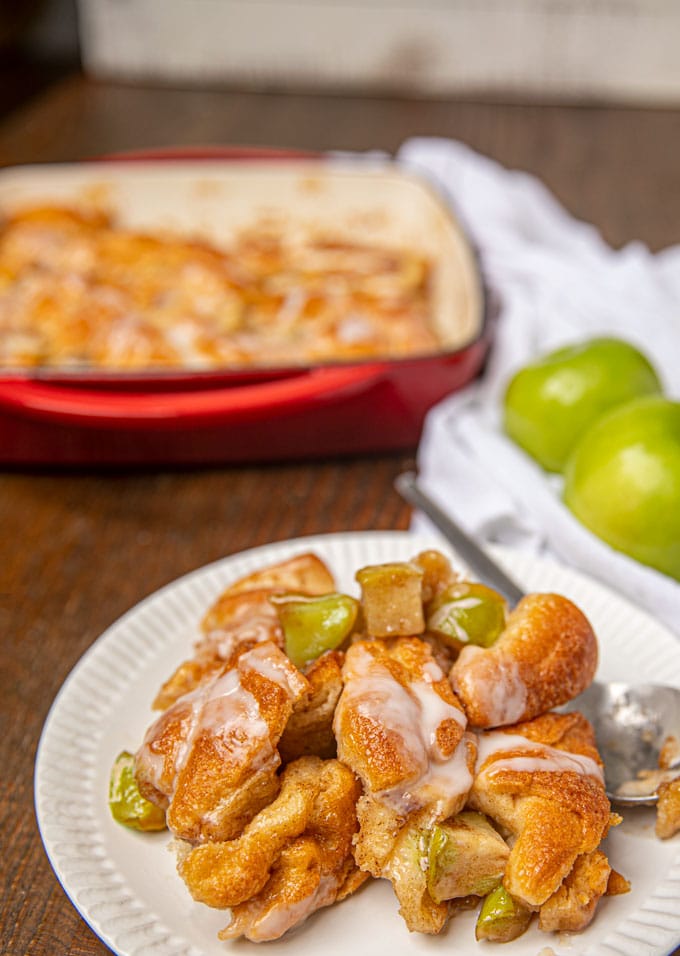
x,y
79,549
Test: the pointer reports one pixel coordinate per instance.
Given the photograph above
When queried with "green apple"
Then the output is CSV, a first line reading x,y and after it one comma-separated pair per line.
x,y
314,624
550,403
623,481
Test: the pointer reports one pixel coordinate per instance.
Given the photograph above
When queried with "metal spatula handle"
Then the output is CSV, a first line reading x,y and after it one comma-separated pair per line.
x,y
478,561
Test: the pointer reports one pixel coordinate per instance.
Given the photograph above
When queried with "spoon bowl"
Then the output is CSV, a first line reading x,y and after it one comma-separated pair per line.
x,y
631,721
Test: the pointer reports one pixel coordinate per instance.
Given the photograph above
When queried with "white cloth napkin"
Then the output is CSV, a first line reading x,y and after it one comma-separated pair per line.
x,y
557,282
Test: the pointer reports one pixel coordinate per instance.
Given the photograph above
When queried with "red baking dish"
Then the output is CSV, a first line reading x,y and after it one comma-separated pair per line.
x,y
181,416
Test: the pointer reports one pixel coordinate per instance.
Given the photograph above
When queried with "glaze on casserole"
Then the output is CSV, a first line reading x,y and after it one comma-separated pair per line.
x,y
79,291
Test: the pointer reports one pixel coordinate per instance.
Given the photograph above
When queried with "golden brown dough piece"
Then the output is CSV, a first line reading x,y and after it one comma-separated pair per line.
x,y
243,616
186,678
668,809
309,731
293,858
211,759
305,573
571,908
546,655
438,574
402,731
542,782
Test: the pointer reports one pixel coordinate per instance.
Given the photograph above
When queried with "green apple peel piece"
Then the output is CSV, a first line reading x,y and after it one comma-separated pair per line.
x,y
407,871
466,857
313,625
501,918
550,403
126,803
468,612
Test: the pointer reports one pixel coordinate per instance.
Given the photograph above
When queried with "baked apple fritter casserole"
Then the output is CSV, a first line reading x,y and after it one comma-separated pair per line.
x,y
80,291
314,741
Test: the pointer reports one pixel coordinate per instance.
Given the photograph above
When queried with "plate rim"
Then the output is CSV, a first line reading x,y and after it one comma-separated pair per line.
x,y
611,943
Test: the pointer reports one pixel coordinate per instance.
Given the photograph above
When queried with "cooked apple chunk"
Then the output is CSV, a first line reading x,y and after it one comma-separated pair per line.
x,y
406,868
391,598
466,857
502,918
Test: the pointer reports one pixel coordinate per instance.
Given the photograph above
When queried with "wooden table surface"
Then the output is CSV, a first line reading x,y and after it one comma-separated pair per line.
x,y
79,549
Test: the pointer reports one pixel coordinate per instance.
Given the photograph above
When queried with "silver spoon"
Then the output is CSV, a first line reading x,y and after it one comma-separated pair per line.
x,y
631,721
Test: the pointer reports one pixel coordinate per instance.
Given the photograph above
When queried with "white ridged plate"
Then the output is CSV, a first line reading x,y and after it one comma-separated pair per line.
x,y
124,884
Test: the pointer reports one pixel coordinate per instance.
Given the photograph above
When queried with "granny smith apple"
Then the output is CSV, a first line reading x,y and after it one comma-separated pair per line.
x,y
623,481
550,403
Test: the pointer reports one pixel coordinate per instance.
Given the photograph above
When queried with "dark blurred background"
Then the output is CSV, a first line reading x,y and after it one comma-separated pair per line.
x,y
38,44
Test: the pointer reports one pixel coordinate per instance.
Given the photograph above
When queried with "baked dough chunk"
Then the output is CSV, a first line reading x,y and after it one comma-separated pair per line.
x,y
546,655
571,908
309,731
305,573
668,809
293,858
400,728
243,616
211,758
542,783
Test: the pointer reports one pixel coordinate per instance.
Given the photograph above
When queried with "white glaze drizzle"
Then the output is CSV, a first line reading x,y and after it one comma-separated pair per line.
x,y
256,625
495,745
229,713
503,698
281,918
439,787
276,667
414,714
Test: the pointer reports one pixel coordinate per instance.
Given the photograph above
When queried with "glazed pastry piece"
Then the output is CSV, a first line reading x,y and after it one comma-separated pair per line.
x,y
293,858
668,807
211,758
542,783
546,655
248,618
400,728
304,574
187,678
244,616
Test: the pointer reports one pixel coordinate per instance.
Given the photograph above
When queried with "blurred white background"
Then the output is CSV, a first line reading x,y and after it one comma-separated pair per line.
x,y
579,50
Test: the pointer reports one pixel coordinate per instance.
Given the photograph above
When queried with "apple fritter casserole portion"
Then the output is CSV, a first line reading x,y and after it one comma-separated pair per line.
x,y
314,740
